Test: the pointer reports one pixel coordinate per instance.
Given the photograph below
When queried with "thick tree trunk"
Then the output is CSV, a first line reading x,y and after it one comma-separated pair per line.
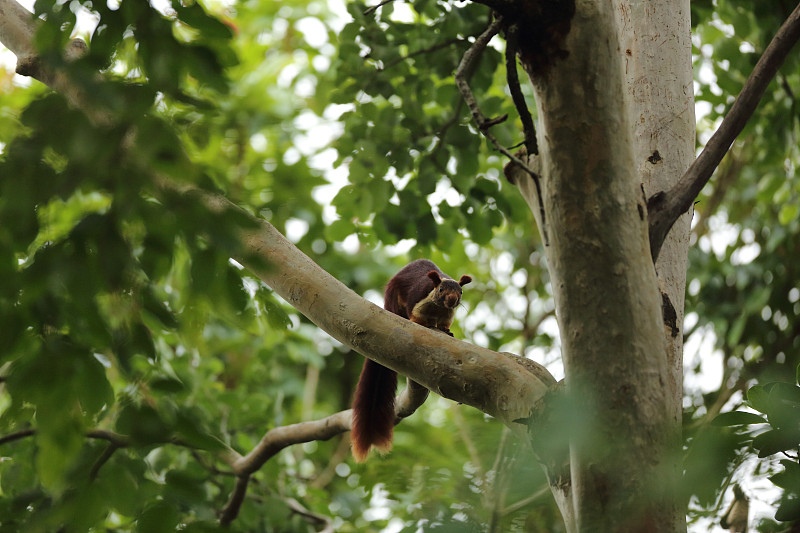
x,y
625,392
656,40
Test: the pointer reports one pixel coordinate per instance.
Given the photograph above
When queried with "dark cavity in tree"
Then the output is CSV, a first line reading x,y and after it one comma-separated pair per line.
x,y
546,25
655,158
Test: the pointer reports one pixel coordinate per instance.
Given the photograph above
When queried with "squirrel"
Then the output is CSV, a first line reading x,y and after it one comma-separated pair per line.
x,y
423,294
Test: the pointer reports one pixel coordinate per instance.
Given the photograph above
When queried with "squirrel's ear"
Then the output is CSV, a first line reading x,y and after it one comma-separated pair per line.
x,y
464,280
435,278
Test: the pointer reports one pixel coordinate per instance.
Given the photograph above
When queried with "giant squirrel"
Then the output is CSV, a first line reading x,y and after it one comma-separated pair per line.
x,y
421,293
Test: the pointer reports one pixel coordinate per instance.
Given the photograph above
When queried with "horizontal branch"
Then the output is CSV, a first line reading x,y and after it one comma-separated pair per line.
x,y
665,208
501,385
489,381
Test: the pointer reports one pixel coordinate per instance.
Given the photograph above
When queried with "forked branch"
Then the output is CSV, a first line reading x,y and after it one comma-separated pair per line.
x,y
512,47
280,438
465,67
665,208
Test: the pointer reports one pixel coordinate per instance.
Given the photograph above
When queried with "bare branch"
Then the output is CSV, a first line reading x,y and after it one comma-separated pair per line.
x,y
463,71
526,501
384,337
666,207
375,7
17,26
19,434
103,459
279,438
314,518
516,91
231,509
461,369
423,51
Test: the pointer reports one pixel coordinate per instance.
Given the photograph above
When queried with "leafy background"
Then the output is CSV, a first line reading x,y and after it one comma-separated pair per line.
x,y
120,310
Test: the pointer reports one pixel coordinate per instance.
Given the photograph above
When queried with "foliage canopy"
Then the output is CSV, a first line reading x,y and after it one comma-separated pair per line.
x,y
121,313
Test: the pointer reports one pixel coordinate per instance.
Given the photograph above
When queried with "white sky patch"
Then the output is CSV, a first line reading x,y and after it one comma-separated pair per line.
x,y
445,192
350,244
746,254
721,235
296,229
258,142
314,31
317,134
700,352
340,14
378,504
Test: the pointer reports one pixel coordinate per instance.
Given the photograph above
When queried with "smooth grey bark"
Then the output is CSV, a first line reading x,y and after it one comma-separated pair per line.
x,y
656,49
606,292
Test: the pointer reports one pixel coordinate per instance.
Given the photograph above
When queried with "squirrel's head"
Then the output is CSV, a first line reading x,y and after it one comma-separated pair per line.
x,y
447,291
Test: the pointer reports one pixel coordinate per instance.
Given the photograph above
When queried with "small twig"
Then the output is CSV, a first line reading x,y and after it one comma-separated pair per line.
x,y
516,91
465,67
525,501
210,467
17,436
323,478
231,509
666,207
310,516
462,72
469,443
531,145
430,49
373,8
103,459
120,441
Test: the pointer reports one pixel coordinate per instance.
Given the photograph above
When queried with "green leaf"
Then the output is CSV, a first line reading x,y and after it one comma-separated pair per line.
x,y
776,440
789,479
191,429
194,15
736,418
159,517
276,316
789,510
143,425
758,398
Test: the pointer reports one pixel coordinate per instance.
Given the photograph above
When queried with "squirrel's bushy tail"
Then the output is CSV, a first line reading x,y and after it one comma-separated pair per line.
x,y
373,410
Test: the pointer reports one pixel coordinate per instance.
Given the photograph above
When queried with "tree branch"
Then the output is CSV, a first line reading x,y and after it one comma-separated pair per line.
x,y
423,51
103,459
277,439
462,73
492,382
454,369
516,91
375,7
11,437
665,208
231,509
282,437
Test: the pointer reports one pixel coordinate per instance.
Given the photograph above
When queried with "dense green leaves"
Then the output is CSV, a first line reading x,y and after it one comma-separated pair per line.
x,y
120,309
